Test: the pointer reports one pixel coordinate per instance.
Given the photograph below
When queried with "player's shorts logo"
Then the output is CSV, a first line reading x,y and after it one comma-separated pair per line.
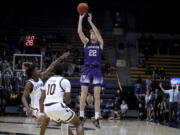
x,y
83,77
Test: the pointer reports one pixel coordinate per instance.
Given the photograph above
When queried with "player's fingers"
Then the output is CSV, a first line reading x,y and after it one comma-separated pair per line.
x,y
90,14
83,15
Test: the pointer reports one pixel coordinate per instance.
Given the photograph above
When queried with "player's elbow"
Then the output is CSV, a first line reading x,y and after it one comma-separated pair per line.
x,y
79,31
102,42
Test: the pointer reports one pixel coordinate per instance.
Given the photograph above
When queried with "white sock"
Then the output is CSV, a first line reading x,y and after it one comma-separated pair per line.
x,y
96,115
82,114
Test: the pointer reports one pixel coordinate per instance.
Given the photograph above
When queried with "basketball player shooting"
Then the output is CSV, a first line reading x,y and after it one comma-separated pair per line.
x,y
91,72
33,90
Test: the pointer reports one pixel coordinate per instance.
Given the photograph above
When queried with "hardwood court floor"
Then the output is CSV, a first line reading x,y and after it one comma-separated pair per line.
x,y
27,126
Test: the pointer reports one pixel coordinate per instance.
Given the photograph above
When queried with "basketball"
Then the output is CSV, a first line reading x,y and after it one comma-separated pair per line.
x,y
82,8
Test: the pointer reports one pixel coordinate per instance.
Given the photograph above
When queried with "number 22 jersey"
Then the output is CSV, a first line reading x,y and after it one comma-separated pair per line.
x,y
92,53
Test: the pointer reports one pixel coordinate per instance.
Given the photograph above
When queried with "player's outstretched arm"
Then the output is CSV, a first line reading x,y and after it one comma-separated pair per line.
x,y
50,68
27,90
83,38
96,31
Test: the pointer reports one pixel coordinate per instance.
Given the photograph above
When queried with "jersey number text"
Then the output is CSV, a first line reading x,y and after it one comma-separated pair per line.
x,y
51,89
92,52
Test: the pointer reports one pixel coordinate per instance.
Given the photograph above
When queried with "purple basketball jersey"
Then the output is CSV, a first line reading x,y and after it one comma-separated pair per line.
x,y
92,54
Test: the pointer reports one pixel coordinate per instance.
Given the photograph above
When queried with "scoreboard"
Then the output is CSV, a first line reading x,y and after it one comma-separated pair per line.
x,y
29,40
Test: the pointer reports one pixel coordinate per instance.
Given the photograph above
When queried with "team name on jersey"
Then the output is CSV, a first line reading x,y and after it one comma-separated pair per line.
x,y
52,81
93,47
38,86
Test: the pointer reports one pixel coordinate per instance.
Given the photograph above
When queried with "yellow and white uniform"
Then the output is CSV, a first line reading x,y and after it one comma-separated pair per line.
x,y
35,95
54,107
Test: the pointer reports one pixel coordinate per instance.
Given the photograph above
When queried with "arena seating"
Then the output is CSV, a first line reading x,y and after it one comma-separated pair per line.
x,y
171,65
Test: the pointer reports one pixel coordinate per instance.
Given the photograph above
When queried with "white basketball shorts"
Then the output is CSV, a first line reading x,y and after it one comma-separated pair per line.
x,y
59,112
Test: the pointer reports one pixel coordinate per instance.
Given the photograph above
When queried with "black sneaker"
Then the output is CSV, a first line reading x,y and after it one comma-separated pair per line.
x,y
96,123
82,119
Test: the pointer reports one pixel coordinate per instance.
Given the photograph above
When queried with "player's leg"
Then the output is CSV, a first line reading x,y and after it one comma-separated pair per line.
x,y
97,82
44,125
84,92
65,114
60,112
50,112
43,121
69,130
79,127
85,80
97,90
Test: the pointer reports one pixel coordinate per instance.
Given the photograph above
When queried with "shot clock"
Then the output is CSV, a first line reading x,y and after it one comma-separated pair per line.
x,y
29,40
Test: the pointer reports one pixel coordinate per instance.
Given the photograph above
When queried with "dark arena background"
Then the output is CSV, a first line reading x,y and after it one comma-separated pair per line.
x,y
140,93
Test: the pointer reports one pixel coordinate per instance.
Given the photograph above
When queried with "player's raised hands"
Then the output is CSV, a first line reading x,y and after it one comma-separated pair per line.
x,y
82,16
89,17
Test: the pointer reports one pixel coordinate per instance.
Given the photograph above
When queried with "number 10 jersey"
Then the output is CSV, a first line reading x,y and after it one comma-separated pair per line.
x,y
55,87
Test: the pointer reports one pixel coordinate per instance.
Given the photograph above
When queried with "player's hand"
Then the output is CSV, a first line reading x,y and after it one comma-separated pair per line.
x,y
29,112
82,16
41,118
64,55
90,17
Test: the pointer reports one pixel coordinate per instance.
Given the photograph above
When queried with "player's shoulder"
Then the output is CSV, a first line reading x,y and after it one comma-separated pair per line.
x,y
55,77
29,84
65,80
58,78
40,79
30,81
